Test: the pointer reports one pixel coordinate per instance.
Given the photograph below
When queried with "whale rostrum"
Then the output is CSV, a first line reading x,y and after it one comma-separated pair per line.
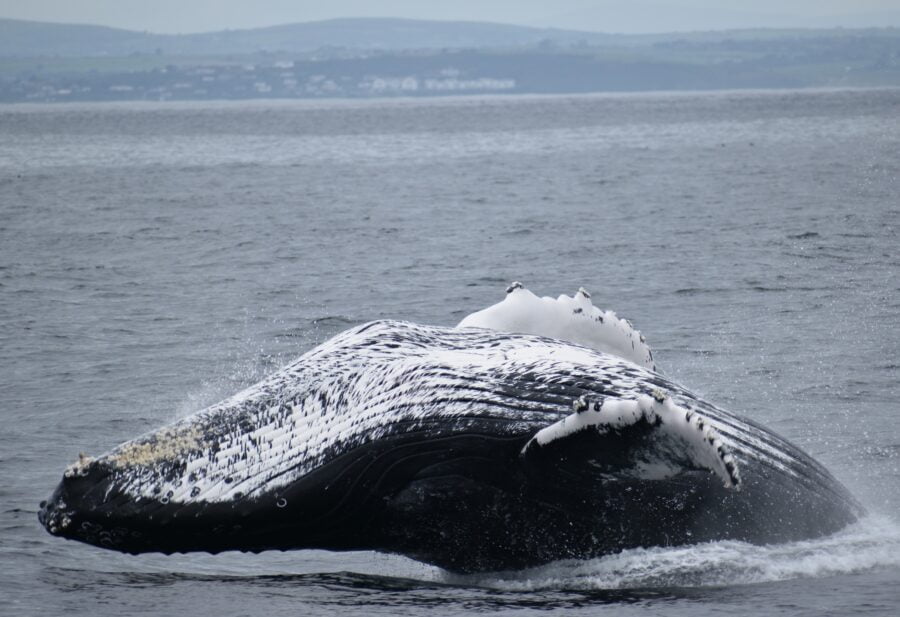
x,y
537,429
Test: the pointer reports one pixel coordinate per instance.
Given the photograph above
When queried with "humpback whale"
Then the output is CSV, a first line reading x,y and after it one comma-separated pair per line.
x,y
537,429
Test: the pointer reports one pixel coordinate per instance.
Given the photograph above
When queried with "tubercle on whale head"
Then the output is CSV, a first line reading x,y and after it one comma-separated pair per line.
x,y
56,513
79,467
62,513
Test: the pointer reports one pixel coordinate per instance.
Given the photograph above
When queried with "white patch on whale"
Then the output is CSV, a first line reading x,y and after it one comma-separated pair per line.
x,y
573,319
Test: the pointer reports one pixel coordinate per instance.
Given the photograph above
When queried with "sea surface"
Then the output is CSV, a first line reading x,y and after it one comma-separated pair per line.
x,y
155,258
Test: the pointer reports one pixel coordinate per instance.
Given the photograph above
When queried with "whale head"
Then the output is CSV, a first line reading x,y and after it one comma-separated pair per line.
x,y
129,500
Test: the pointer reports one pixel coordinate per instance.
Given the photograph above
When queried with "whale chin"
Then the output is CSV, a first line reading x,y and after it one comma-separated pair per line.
x,y
385,495
469,448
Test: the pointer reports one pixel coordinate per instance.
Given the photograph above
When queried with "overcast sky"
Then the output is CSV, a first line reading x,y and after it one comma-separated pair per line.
x,y
599,15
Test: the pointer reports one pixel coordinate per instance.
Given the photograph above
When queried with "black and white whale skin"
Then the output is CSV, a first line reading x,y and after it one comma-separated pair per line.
x,y
471,448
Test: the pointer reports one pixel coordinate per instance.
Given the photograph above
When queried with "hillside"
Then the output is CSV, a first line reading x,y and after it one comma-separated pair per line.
x,y
29,39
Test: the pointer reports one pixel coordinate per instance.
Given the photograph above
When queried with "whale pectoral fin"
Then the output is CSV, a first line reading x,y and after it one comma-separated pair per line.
x,y
647,438
574,319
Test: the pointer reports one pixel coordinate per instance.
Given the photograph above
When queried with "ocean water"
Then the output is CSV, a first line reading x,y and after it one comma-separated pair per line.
x,y
155,258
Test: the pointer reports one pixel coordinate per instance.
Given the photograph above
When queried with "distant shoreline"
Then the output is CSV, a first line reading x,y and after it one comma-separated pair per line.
x,y
437,100
372,58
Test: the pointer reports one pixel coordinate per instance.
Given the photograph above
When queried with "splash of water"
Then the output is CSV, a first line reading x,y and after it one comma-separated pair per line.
x,y
871,543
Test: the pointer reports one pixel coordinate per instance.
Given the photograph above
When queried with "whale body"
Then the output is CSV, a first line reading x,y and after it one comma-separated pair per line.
x,y
536,430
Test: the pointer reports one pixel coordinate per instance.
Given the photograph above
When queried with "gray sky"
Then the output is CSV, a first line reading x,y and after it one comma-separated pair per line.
x,y
600,15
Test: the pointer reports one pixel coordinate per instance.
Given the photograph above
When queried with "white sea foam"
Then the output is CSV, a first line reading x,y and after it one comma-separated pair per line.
x,y
871,543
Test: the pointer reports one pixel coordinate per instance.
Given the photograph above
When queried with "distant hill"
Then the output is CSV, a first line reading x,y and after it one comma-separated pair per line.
x,y
33,38
30,39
